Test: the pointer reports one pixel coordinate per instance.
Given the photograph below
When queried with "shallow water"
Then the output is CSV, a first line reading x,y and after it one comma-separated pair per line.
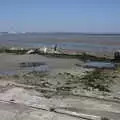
x,y
8,72
34,66
27,67
96,64
76,41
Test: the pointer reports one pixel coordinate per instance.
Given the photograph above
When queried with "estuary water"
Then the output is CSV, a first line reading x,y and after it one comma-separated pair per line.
x,y
73,41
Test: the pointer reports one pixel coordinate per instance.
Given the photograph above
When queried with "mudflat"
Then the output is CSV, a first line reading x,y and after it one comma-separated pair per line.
x,y
62,92
11,61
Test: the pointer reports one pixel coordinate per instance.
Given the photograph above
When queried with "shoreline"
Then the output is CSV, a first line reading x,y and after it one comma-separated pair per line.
x,y
60,53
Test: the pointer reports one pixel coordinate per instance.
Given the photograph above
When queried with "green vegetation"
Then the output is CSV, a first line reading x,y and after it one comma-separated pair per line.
x,y
83,56
104,118
94,80
86,56
97,80
18,51
33,78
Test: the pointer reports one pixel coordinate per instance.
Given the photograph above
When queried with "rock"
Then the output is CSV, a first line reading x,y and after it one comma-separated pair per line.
x,y
30,51
45,50
13,48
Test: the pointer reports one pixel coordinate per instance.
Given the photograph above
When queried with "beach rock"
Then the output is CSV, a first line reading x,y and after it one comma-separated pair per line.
x,y
13,48
30,51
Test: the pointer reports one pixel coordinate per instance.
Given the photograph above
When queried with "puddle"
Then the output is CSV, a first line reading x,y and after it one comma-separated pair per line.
x,y
27,67
8,72
31,64
34,66
100,65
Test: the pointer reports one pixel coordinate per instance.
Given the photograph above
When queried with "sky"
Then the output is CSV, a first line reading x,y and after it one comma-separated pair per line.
x,y
93,16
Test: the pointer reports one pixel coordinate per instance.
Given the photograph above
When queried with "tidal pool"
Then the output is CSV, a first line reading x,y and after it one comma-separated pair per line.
x,y
100,65
34,66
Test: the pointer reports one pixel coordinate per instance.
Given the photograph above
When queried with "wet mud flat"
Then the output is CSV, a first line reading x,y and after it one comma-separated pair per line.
x,y
67,87
34,66
60,74
27,67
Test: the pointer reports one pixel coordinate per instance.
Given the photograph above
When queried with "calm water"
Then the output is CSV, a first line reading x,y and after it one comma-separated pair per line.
x,y
97,64
75,41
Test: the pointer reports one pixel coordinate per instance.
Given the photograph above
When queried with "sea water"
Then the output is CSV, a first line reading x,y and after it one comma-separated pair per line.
x,y
73,41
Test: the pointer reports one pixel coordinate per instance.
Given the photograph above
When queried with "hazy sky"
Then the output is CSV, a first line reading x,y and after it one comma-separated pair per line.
x,y
60,15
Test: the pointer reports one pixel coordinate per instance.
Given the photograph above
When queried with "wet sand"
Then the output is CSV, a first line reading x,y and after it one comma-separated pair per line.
x,y
27,101
10,62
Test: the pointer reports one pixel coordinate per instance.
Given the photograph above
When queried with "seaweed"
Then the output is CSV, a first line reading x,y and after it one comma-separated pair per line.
x,y
97,80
